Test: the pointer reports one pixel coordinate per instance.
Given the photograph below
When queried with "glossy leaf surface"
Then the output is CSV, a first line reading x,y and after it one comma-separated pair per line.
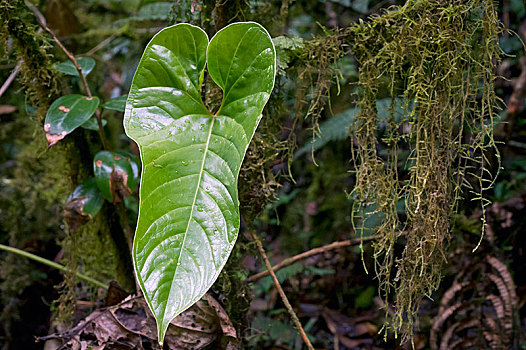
x,y
116,104
116,174
93,196
66,114
67,67
81,205
189,212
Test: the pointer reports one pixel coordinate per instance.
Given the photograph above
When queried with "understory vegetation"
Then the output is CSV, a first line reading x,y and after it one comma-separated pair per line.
x,y
385,182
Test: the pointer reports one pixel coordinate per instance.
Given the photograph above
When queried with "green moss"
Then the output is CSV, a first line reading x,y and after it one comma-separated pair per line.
x,y
230,288
30,200
257,179
439,59
31,48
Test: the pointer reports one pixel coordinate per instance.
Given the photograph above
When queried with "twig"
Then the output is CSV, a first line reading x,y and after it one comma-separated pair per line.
x,y
139,5
102,135
128,232
69,334
9,79
304,255
42,23
52,264
100,45
284,298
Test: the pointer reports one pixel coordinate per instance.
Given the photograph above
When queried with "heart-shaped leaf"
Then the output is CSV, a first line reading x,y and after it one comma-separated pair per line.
x,y
67,67
66,114
116,104
82,204
116,174
189,211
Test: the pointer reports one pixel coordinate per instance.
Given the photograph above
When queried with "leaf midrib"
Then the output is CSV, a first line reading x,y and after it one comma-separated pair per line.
x,y
62,122
201,171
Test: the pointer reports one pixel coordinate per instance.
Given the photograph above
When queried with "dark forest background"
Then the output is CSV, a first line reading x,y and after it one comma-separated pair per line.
x,y
297,194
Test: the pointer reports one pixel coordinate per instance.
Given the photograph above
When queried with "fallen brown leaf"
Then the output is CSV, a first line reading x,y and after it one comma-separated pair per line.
x,y
130,325
74,213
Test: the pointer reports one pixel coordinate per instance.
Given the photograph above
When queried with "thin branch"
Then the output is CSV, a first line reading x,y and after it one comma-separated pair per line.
x,y
42,23
304,255
128,232
100,45
139,5
9,79
102,135
284,298
52,264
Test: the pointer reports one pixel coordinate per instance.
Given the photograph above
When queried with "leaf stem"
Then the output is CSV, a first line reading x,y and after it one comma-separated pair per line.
x,y
128,232
52,264
304,255
121,210
9,79
102,135
284,298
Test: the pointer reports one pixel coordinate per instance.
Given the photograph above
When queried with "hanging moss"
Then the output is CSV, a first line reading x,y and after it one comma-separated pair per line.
x,y
30,47
314,67
319,72
258,181
436,61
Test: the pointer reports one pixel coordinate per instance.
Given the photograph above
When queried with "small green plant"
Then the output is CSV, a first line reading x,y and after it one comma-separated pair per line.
x,y
116,173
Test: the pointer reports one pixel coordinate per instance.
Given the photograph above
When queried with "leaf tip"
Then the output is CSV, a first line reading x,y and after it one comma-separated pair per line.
x,y
161,333
52,138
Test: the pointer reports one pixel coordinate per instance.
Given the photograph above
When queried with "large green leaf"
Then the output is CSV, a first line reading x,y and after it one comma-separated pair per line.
x,y
189,212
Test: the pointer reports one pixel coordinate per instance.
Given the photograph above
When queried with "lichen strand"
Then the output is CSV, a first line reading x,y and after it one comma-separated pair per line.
x,y
317,72
439,59
30,46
